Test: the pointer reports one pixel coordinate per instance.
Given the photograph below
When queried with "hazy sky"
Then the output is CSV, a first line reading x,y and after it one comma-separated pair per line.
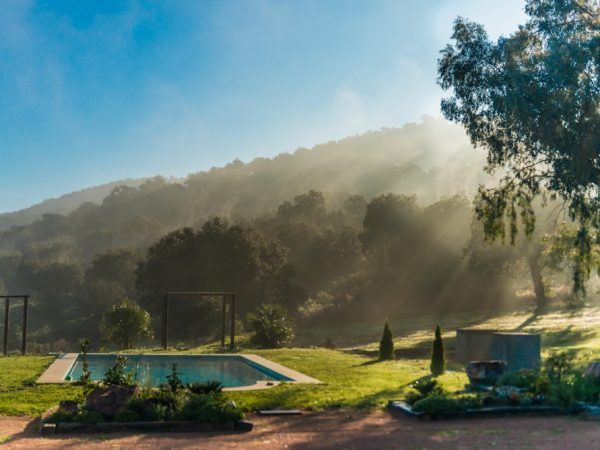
x,y
94,91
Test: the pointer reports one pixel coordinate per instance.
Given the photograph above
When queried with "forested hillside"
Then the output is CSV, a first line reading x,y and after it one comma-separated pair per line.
x,y
374,225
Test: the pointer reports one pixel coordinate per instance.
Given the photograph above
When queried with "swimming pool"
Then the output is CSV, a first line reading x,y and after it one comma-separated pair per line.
x,y
234,372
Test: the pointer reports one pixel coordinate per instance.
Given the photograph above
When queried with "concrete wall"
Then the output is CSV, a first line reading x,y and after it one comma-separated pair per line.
x,y
473,344
517,350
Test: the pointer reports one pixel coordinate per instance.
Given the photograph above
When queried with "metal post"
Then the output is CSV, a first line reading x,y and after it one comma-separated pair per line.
x,y
165,323
232,338
24,340
6,306
223,320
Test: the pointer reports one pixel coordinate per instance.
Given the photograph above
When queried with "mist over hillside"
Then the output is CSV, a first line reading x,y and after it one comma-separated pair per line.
x,y
432,159
63,204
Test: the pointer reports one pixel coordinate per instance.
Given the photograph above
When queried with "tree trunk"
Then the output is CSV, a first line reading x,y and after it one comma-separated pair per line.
x,y
538,283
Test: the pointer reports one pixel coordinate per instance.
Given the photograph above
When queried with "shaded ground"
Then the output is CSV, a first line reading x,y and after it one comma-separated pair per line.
x,y
340,429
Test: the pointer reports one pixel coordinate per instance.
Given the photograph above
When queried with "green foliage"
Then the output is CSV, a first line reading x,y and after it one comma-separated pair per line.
x,y
82,415
126,416
271,326
438,360
207,387
386,345
86,376
211,409
533,381
533,101
173,380
439,404
422,388
125,324
558,364
117,373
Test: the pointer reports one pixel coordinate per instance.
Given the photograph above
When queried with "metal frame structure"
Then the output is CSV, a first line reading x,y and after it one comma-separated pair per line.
x,y
223,295
7,299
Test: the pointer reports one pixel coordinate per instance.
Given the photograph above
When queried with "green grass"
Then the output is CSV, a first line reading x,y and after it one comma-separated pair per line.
x,y
18,393
351,377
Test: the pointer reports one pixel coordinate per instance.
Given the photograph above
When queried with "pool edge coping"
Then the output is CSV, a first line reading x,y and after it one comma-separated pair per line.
x,y
60,367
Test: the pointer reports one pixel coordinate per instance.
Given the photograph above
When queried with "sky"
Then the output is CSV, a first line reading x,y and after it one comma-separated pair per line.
x,y
97,91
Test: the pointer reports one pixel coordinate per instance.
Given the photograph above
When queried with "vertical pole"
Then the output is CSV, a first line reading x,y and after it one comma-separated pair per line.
x,y
6,306
165,323
24,340
232,338
223,320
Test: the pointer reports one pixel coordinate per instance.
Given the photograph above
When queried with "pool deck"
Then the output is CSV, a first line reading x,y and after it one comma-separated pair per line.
x,y
60,367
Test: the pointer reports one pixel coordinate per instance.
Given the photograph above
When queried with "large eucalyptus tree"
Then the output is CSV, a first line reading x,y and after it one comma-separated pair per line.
x,y
532,101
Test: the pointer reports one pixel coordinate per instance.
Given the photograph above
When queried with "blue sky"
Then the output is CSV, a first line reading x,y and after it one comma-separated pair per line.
x,y
94,91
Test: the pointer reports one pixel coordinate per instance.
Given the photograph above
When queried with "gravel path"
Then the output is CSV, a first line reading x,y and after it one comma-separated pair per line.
x,y
333,430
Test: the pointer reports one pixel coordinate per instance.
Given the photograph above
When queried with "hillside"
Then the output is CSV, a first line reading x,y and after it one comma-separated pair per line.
x,y
431,159
63,204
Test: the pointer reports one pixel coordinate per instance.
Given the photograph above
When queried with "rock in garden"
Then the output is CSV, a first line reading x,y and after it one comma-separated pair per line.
x,y
110,399
485,372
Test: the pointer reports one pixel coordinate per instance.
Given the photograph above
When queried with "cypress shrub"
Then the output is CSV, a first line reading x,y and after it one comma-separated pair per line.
x,y
438,362
386,345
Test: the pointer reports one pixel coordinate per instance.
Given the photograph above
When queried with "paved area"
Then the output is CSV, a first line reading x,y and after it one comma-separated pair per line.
x,y
333,430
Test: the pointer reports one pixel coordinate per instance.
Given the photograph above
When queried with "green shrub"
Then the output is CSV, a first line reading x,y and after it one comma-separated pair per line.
x,y
427,386
586,389
386,345
125,324
86,375
207,387
439,404
173,380
271,325
211,409
562,394
126,416
558,365
116,374
438,362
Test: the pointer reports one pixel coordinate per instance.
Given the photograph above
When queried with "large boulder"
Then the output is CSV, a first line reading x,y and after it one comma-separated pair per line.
x,y
110,399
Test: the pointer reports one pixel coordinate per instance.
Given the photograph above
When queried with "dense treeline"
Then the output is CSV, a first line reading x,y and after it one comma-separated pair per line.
x,y
386,256
316,232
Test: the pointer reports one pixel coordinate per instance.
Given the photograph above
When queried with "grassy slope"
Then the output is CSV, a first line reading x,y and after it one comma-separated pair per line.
x,y
350,379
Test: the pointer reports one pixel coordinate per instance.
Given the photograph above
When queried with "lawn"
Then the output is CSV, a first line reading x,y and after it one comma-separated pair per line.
x,y
19,395
351,376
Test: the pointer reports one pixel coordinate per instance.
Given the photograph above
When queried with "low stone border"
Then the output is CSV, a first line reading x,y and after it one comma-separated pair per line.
x,y
240,426
490,411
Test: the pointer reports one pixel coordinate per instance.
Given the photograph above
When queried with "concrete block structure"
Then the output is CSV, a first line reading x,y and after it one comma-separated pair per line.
x,y
516,350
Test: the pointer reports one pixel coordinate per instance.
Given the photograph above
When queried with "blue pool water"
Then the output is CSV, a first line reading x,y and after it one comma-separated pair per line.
x,y
230,370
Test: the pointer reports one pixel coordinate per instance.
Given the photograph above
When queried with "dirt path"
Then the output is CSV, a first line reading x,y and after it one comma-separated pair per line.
x,y
332,430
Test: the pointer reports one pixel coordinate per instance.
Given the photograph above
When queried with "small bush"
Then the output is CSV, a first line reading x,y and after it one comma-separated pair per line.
x,y
126,416
211,409
207,387
173,380
438,361
271,325
439,404
125,324
116,374
86,376
558,365
386,345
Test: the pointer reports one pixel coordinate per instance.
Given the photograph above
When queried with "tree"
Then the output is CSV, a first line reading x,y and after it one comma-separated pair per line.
x,y
386,345
532,100
272,326
125,324
438,361
218,257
